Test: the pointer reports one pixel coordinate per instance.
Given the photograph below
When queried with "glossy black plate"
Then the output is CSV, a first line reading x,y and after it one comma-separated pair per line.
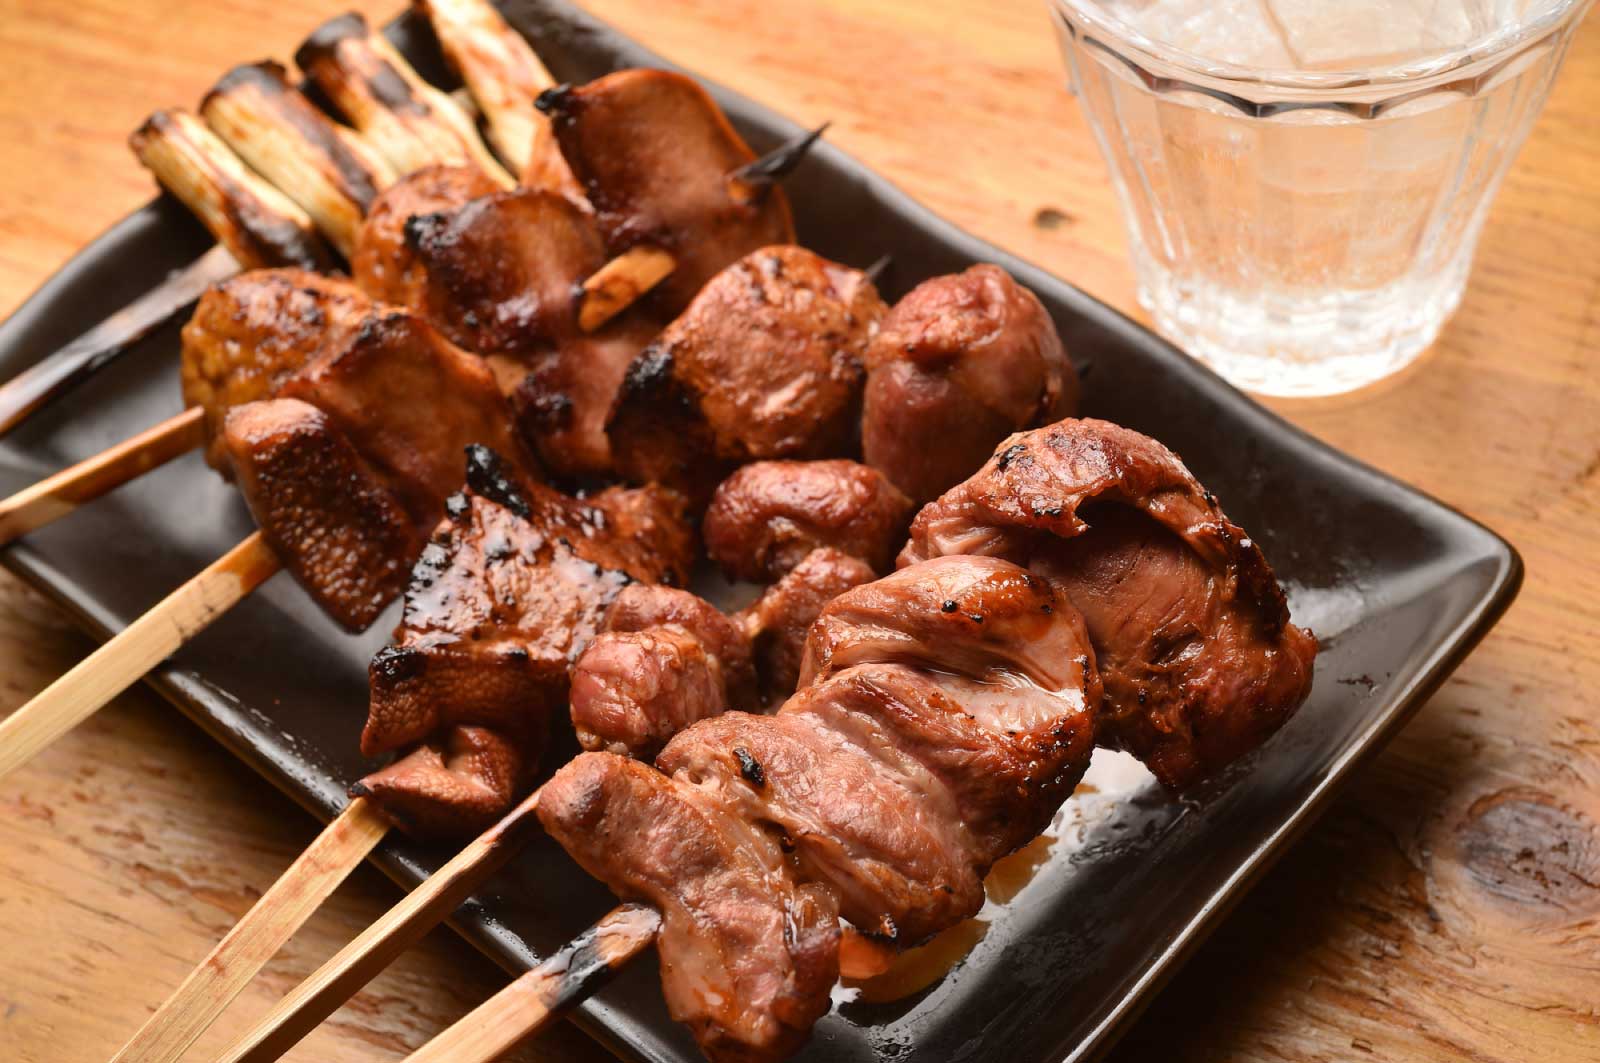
x,y
1399,587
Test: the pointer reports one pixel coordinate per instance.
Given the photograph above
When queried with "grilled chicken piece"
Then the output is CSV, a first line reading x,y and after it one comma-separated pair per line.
x,y
960,363
500,270
1190,628
330,517
766,517
928,744
665,659
657,159
411,403
778,621
509,591
251,331
385,263
765,363
453,787
748,954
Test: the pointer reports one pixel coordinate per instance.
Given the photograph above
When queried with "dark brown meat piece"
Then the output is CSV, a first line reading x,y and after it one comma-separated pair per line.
x,y
960,363
385,263
330,517
666,659
655,155
650,521
765,363
765,518
251,331
748,955
563,403
1190,628
411,403
510,590
499,271
778,621
453,787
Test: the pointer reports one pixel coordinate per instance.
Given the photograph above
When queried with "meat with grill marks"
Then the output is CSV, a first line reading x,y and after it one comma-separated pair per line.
x,y
411,403
500,277
765,363
385,264
453,786
251,331
511,588
658,160
330,517
1192,632
883,791
766,517
960,363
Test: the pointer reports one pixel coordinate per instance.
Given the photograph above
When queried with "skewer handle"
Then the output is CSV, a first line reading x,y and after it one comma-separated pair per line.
x,y
527,1005
56,496
396,930
257,937
139,647
56,373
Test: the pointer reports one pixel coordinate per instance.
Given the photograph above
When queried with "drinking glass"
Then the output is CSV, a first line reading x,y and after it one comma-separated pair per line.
x,y
1304,181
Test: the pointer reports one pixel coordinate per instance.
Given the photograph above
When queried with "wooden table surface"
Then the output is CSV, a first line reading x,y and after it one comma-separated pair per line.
x,y
1447,908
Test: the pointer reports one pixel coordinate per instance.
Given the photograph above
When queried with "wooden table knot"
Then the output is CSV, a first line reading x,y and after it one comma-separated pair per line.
x,y
1528,848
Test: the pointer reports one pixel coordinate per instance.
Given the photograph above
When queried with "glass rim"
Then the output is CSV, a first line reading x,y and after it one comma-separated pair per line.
x,y
1119,35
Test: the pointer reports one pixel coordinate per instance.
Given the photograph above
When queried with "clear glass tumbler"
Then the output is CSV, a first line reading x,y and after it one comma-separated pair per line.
x,y
1303,205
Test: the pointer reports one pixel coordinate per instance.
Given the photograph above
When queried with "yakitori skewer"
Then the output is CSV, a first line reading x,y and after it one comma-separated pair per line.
x,y
258,935
526,1006
255,224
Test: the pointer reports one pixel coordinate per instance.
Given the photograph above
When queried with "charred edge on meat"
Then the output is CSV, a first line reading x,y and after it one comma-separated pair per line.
x,y
488,477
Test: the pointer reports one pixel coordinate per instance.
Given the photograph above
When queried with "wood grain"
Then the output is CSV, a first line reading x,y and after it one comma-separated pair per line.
x,y
1447,908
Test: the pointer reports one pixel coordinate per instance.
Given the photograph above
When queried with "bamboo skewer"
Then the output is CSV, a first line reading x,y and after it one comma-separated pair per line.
x,y
527,1005
257,937
321,994
56,496
620,283
135,650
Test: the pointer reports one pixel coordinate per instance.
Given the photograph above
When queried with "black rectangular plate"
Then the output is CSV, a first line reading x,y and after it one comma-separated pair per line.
x,y
1399,586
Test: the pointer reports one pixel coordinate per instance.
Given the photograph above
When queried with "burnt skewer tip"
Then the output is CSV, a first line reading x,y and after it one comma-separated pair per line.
x,y
778,163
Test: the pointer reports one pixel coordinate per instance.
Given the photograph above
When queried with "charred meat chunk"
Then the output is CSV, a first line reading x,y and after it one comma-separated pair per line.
x,y
456,786
411,403
1190,628
331,518
765,363
251,331
499,271
960,363
657,158
748,954
513,585
385,263
766,517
